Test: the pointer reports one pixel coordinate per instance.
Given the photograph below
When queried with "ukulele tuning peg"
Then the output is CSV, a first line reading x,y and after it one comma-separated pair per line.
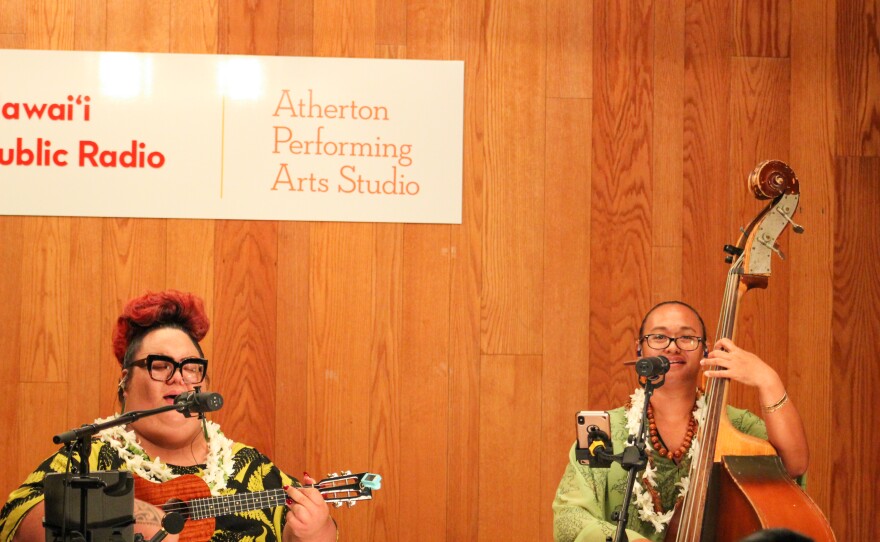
x,y
333,475
351,503
346,473
337,504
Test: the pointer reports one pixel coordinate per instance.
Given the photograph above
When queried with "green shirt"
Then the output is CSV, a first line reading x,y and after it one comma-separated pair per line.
x,y
586,497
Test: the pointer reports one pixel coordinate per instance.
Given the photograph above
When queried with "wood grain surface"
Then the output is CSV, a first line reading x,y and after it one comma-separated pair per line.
x,y
606,150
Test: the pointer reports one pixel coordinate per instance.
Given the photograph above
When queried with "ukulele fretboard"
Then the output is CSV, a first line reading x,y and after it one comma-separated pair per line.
x,y
225,505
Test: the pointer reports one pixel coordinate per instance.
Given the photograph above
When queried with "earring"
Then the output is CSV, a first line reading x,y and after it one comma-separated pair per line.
x,y
120,390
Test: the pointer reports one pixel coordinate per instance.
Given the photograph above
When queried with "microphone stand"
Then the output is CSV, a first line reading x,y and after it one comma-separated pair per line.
x,y
83,442
634,459
172,523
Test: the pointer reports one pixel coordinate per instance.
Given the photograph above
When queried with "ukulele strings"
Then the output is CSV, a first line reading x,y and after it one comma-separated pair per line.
x,y
240,502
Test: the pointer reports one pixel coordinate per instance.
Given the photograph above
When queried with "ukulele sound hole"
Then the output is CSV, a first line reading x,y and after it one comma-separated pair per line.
x,y
177,506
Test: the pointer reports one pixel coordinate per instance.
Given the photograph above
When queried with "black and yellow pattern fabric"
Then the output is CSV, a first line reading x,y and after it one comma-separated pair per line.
x,y
252,471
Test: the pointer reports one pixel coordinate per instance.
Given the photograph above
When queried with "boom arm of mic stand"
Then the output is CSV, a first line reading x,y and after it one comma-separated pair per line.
x,y
83,438
89,430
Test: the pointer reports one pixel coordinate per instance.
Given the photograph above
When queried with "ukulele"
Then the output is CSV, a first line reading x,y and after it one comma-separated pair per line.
x,y
190,497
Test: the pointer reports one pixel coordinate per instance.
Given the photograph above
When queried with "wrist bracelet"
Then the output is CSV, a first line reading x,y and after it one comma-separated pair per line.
x,y
777,405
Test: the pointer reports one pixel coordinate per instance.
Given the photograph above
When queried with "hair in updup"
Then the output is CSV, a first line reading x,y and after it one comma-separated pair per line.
x,y
155,310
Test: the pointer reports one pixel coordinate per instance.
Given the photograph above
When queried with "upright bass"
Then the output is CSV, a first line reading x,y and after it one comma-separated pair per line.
x,y
738,484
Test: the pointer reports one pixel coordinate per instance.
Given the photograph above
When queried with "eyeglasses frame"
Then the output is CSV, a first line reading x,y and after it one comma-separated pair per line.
x,y
700,340
147,363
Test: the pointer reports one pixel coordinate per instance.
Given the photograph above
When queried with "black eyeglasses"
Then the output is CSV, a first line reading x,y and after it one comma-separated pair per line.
x,y
162,368
658,341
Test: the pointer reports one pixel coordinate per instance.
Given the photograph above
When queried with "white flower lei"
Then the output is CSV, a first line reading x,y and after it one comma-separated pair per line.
x,y
218,468
643,499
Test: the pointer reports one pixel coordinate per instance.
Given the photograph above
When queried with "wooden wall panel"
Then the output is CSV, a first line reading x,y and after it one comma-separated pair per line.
x,y
566,348
462,471
347,28
341,278
88,344
42,417
510,422
810,341
392,22
292,345
250,27
13,17
858,77
668,155
410,349
296,18
11,253
762,27
50,24
707,224
620,212
569,49
139,25
245,316
760,124
133,262
90,26
511,285
383,521
190,262
429,29
45,285
462,463
12,41
424,354
194,26
855,326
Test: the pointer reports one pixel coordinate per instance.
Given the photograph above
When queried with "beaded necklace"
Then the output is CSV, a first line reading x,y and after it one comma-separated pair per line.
x,y
646,497
658,443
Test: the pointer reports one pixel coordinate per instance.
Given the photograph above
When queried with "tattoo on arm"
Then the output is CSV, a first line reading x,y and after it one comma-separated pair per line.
x,y
147,514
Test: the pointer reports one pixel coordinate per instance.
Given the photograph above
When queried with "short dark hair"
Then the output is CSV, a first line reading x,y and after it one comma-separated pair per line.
x,y
776,535
671,302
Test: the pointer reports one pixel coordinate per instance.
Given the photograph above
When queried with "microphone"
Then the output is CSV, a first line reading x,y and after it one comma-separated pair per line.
x,y
652,367
198,402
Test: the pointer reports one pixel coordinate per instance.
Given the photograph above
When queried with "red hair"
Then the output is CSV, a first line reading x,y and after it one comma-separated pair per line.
x,y
155,310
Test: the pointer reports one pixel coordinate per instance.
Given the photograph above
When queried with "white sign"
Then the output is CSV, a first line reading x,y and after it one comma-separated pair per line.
x,y
240,137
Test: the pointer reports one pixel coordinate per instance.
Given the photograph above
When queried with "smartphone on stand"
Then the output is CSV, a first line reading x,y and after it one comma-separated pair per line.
x,y
590,421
